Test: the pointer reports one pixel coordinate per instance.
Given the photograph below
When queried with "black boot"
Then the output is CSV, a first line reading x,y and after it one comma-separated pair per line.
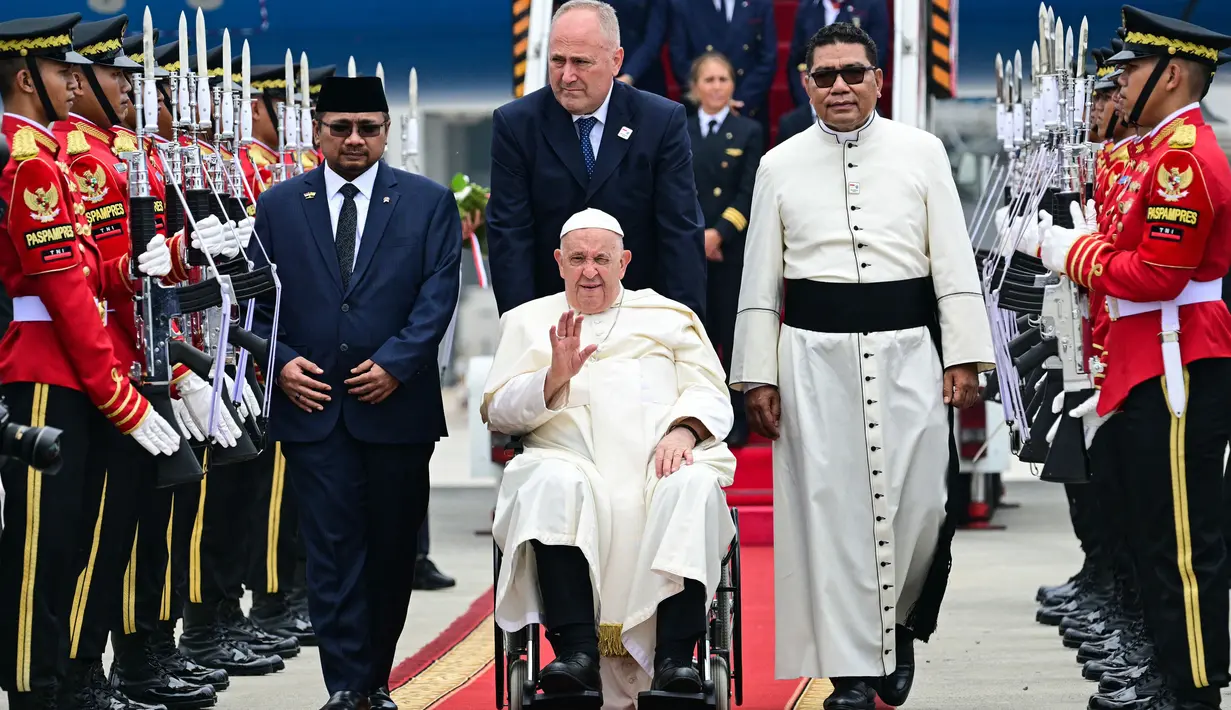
x,y
88,689
183,667
568,603
205,641
37,699
674,676
138,674
241,628
1131,697
274,614
572,672
851,694
895,687
681,624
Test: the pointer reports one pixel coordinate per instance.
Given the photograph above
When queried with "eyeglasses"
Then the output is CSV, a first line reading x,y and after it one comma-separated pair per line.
x,y
852,76
344,129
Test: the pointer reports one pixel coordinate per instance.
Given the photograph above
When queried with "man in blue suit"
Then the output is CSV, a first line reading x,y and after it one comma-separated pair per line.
x,y
871,16
368,257
590,141
744,32
643,29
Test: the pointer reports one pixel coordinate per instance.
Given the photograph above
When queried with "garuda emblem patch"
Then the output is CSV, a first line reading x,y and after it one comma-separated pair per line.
x,y
93,185
1174,184
44,203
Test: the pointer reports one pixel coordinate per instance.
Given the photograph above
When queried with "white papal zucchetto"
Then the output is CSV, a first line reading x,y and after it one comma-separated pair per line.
x,y
591,218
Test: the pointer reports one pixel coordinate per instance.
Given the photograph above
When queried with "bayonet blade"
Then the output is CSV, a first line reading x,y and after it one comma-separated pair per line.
x,y
1057,47
147,45
227,84
183,44
1068,49
290,79
1009,96
245,68
1044,32
1036,63
1000,85
414,93
202,68
303,81
1017,76
1083,44
350,68
380,73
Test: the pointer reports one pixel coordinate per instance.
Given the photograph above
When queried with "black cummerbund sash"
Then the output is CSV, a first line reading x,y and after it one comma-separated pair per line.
x,y
860,307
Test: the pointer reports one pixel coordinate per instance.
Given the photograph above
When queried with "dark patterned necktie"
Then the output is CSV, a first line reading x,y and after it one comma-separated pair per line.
x,y
344,241
584,126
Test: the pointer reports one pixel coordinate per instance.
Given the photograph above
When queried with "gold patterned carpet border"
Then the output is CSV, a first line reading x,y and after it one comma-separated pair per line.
x,y
450,672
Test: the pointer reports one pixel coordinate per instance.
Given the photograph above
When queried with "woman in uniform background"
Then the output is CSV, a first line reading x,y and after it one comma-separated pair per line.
x,y
726,150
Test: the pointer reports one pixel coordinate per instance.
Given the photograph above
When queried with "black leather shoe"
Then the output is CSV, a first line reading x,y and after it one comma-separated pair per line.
x,y
379,699
183,667
241,628
428,577
672,676
108,697
1132,697
1127,658
210,646
137,673
851,694
1101,650
274,614
571,673
1111,682
895,687
346,700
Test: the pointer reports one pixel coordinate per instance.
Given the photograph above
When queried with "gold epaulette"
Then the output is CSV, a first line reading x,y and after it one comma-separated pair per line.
x,y
25,146
123,143
1184,137
77,143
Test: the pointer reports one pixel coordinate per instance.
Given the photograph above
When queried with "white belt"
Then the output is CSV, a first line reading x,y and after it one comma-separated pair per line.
x,y
1173,364
28,309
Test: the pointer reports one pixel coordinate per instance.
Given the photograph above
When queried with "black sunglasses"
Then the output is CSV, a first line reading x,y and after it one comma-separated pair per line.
x,y
853,76
344,129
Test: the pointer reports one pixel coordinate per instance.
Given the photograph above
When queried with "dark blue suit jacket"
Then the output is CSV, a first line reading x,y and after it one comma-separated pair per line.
x,y
871,16
402,293
644,180
643,32
749,40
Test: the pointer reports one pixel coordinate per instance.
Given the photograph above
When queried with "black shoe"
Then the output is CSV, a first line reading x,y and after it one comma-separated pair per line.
x,y
895,687
574,672
183,667
851,694
428,577
37,699
274,614
104,696
1127,658
241,628
212,647
379,699
346,700
1129,698
1168,700
1101,650
671,676
138,674
1111,682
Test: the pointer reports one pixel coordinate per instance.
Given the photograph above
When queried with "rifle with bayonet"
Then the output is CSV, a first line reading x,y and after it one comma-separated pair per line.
x,y
410,128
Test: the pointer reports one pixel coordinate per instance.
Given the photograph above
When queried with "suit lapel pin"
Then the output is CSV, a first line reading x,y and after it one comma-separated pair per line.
x,y
625,132
309,195
386,199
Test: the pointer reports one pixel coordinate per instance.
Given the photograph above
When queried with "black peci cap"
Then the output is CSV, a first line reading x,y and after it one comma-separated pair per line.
x,y
45,37
1147,34
102,42
360,94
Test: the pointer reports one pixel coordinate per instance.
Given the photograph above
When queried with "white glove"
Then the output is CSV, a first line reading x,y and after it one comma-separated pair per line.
x,y
156,261
197,397
1090,419
1088,222
156,435
208,236
248,406
230,240
243,229
1057,404
1057,241
187,426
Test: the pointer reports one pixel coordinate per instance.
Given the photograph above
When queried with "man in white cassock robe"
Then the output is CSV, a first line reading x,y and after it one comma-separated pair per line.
x,y
857,238
599,547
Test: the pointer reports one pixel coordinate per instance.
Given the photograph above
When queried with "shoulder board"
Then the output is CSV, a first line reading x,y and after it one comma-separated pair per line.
x,y
1184,137
25,145
77,143
123,143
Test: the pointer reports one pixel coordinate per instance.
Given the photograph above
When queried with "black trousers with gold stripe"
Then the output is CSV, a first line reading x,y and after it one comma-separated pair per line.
x,y
217,548
1173,471
273,538
184,506
47,526
105,595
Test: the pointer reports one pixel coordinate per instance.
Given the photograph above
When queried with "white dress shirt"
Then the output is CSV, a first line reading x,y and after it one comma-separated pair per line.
x,y
727,6
831,12
596,133
366,182
705,119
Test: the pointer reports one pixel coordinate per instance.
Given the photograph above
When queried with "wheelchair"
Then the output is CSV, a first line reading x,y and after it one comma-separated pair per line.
x,y
718,660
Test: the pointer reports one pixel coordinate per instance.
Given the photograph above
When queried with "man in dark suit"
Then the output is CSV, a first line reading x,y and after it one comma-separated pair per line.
x,y
590,141
800,118
871,16
643,29
368,257
744,32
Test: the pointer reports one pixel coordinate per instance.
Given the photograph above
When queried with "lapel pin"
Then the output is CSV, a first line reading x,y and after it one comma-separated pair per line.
x,y
386,199
309,195
625,132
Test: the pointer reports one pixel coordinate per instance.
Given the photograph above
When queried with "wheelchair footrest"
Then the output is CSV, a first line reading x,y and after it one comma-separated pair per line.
x,y
662,700
586,700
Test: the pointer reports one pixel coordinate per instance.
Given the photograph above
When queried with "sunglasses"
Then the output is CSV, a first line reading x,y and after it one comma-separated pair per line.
x,y
344,129
852,76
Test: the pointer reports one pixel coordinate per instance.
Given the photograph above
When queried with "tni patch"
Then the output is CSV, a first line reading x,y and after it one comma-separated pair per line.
x,y
1166,234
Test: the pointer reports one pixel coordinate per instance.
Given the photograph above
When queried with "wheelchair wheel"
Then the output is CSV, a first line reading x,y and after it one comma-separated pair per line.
x,y
721,677
517,683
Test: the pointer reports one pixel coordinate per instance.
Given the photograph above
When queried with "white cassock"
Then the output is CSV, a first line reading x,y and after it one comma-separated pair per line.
x,y
586,476
861,461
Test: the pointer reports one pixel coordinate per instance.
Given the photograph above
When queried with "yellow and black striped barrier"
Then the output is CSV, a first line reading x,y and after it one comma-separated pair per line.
x,y
942,59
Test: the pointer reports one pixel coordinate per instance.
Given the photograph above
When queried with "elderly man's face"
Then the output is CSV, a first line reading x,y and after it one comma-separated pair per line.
x,y
352,142
592,262
584,62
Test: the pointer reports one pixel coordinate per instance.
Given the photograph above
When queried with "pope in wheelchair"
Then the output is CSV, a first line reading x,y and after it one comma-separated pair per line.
x,y
612,521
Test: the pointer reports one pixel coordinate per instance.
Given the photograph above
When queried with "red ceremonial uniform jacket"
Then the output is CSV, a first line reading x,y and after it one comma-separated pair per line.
x,y
48,252
256,160
1171,228
1108,188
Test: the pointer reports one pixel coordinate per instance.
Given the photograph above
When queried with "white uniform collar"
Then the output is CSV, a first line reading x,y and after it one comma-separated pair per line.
x,y
23,119
705,118
848,136
365,182
601,113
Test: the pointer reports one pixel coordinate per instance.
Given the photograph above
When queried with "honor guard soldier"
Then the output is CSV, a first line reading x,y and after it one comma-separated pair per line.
x,y
1164,395
726,151
258,157
743,31
53,270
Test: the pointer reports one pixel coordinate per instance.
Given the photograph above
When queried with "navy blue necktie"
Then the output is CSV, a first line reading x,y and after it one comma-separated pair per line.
x,y
344,240
584,126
